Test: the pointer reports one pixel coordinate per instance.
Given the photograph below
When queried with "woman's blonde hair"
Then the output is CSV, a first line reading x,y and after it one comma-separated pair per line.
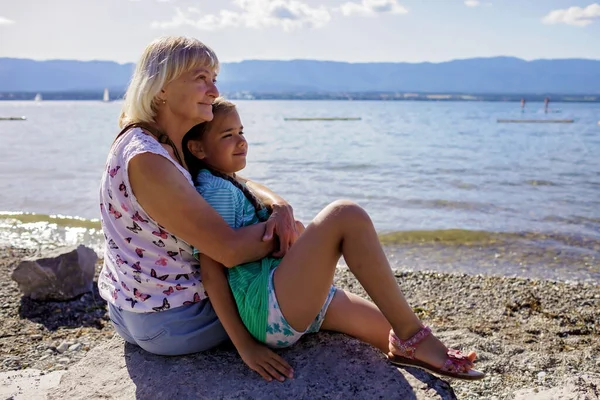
x,y
163,60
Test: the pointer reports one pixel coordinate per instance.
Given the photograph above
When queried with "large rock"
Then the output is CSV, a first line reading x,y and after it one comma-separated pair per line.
x,y
60,274
327,366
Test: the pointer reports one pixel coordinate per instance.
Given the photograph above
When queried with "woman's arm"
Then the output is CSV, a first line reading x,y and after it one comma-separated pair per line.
x,y
165,194
257,356
281,221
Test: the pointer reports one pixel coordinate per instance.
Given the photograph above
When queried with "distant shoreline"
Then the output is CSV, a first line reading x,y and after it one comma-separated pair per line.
x,y
97,95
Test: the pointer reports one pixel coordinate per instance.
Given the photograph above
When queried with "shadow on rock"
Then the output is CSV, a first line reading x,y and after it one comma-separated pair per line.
x,y
327,366
88,309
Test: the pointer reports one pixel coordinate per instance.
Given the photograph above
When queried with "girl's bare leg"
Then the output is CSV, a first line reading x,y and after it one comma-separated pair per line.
x,y
305,274
351,314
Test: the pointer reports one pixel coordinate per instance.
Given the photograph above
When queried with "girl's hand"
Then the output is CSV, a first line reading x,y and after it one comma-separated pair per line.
x,y
265,361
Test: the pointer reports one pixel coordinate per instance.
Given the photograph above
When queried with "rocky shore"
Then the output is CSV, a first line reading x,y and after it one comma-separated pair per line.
x,y
530,335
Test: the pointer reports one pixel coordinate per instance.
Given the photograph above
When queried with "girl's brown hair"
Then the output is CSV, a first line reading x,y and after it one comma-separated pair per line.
x,y
220,109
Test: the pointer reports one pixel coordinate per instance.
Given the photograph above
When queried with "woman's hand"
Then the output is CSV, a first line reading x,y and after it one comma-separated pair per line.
x,y
282,224
265,361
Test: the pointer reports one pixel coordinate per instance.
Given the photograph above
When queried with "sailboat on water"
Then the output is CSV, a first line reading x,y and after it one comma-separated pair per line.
x,y
38,97
106,96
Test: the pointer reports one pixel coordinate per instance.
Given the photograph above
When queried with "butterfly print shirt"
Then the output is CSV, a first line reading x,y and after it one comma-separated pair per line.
x,y
146,268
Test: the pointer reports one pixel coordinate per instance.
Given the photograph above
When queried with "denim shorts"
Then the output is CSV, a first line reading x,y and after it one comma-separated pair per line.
x,y
279,332
182,330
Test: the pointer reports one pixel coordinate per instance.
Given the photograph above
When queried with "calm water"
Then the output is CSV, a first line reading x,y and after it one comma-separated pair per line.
x,y
415,166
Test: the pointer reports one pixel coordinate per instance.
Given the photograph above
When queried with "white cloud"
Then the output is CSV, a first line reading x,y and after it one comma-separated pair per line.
x,y
472,3
372,7
577,16
6,21
288,14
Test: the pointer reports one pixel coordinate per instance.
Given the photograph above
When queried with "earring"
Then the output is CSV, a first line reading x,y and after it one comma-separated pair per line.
x,y
163,102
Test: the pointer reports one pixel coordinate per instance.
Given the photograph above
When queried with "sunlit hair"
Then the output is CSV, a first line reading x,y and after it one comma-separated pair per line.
x,y
163,60
220,108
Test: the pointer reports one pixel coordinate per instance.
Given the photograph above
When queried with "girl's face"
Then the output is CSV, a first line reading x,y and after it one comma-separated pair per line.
x,y
190,96
223,145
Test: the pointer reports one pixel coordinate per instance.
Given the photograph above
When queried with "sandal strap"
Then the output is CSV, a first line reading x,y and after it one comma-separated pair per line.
x,y
457,362
407,348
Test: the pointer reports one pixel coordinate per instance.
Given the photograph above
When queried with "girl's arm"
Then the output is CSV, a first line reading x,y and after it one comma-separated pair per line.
x,y
167,196
256,355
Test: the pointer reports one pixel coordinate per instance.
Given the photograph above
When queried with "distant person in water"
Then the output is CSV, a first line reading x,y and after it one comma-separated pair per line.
x,y
522,104
278,300
546,103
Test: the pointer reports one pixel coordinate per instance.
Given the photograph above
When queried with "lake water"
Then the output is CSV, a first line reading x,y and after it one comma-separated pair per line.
x,y
460,191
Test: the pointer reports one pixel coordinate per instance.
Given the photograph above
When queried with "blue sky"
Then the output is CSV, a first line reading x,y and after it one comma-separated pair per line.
x,y
348,30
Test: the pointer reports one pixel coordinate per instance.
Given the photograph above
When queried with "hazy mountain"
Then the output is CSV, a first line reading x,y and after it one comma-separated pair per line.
x,y
477,75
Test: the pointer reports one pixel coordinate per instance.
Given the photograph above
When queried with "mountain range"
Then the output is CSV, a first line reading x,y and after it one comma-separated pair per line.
x,y
500,75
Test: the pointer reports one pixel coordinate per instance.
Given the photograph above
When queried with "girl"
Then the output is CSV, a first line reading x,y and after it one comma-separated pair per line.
x,y
279,300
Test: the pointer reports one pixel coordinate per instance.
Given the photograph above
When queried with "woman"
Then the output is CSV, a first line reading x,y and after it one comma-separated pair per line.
x,y
151,214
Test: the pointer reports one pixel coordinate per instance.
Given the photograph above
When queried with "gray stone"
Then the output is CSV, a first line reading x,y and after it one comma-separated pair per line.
x,y
75,347
327,366
60,274
62,347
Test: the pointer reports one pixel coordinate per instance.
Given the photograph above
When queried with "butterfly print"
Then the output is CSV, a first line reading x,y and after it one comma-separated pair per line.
x,y
123,188
160,243
181,251
110,276
165,306
172,254
131,300
101,206
137,217
113,171
114,212
115,293
186,276
128,240
139,252
124,207
162,234
195,300
169,291
109,193
161,261
140,295
135,228
125,286
137,267
174,238
112,245
179,287
120,260
153,274
136,276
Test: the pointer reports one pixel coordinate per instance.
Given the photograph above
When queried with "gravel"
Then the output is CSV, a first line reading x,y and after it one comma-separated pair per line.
x,y
528,334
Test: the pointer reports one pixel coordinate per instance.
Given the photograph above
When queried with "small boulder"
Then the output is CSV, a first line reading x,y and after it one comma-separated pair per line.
x,y
58,275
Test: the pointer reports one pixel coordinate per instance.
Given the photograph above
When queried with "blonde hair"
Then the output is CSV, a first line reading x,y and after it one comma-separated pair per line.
x,y
163,60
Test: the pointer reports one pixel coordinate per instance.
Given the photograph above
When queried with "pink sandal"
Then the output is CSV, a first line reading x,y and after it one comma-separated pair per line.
x,y
456,366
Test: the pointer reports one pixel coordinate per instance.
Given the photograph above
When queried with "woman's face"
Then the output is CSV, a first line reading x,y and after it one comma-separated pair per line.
x,y
190,96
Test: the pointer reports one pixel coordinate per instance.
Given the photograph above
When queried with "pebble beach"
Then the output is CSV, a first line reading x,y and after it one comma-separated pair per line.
x,y
528,333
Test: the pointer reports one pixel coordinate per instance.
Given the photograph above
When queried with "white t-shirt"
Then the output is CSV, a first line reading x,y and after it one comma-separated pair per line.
x,y
146,269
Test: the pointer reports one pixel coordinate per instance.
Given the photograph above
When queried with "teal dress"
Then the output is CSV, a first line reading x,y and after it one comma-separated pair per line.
x,y
249,282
